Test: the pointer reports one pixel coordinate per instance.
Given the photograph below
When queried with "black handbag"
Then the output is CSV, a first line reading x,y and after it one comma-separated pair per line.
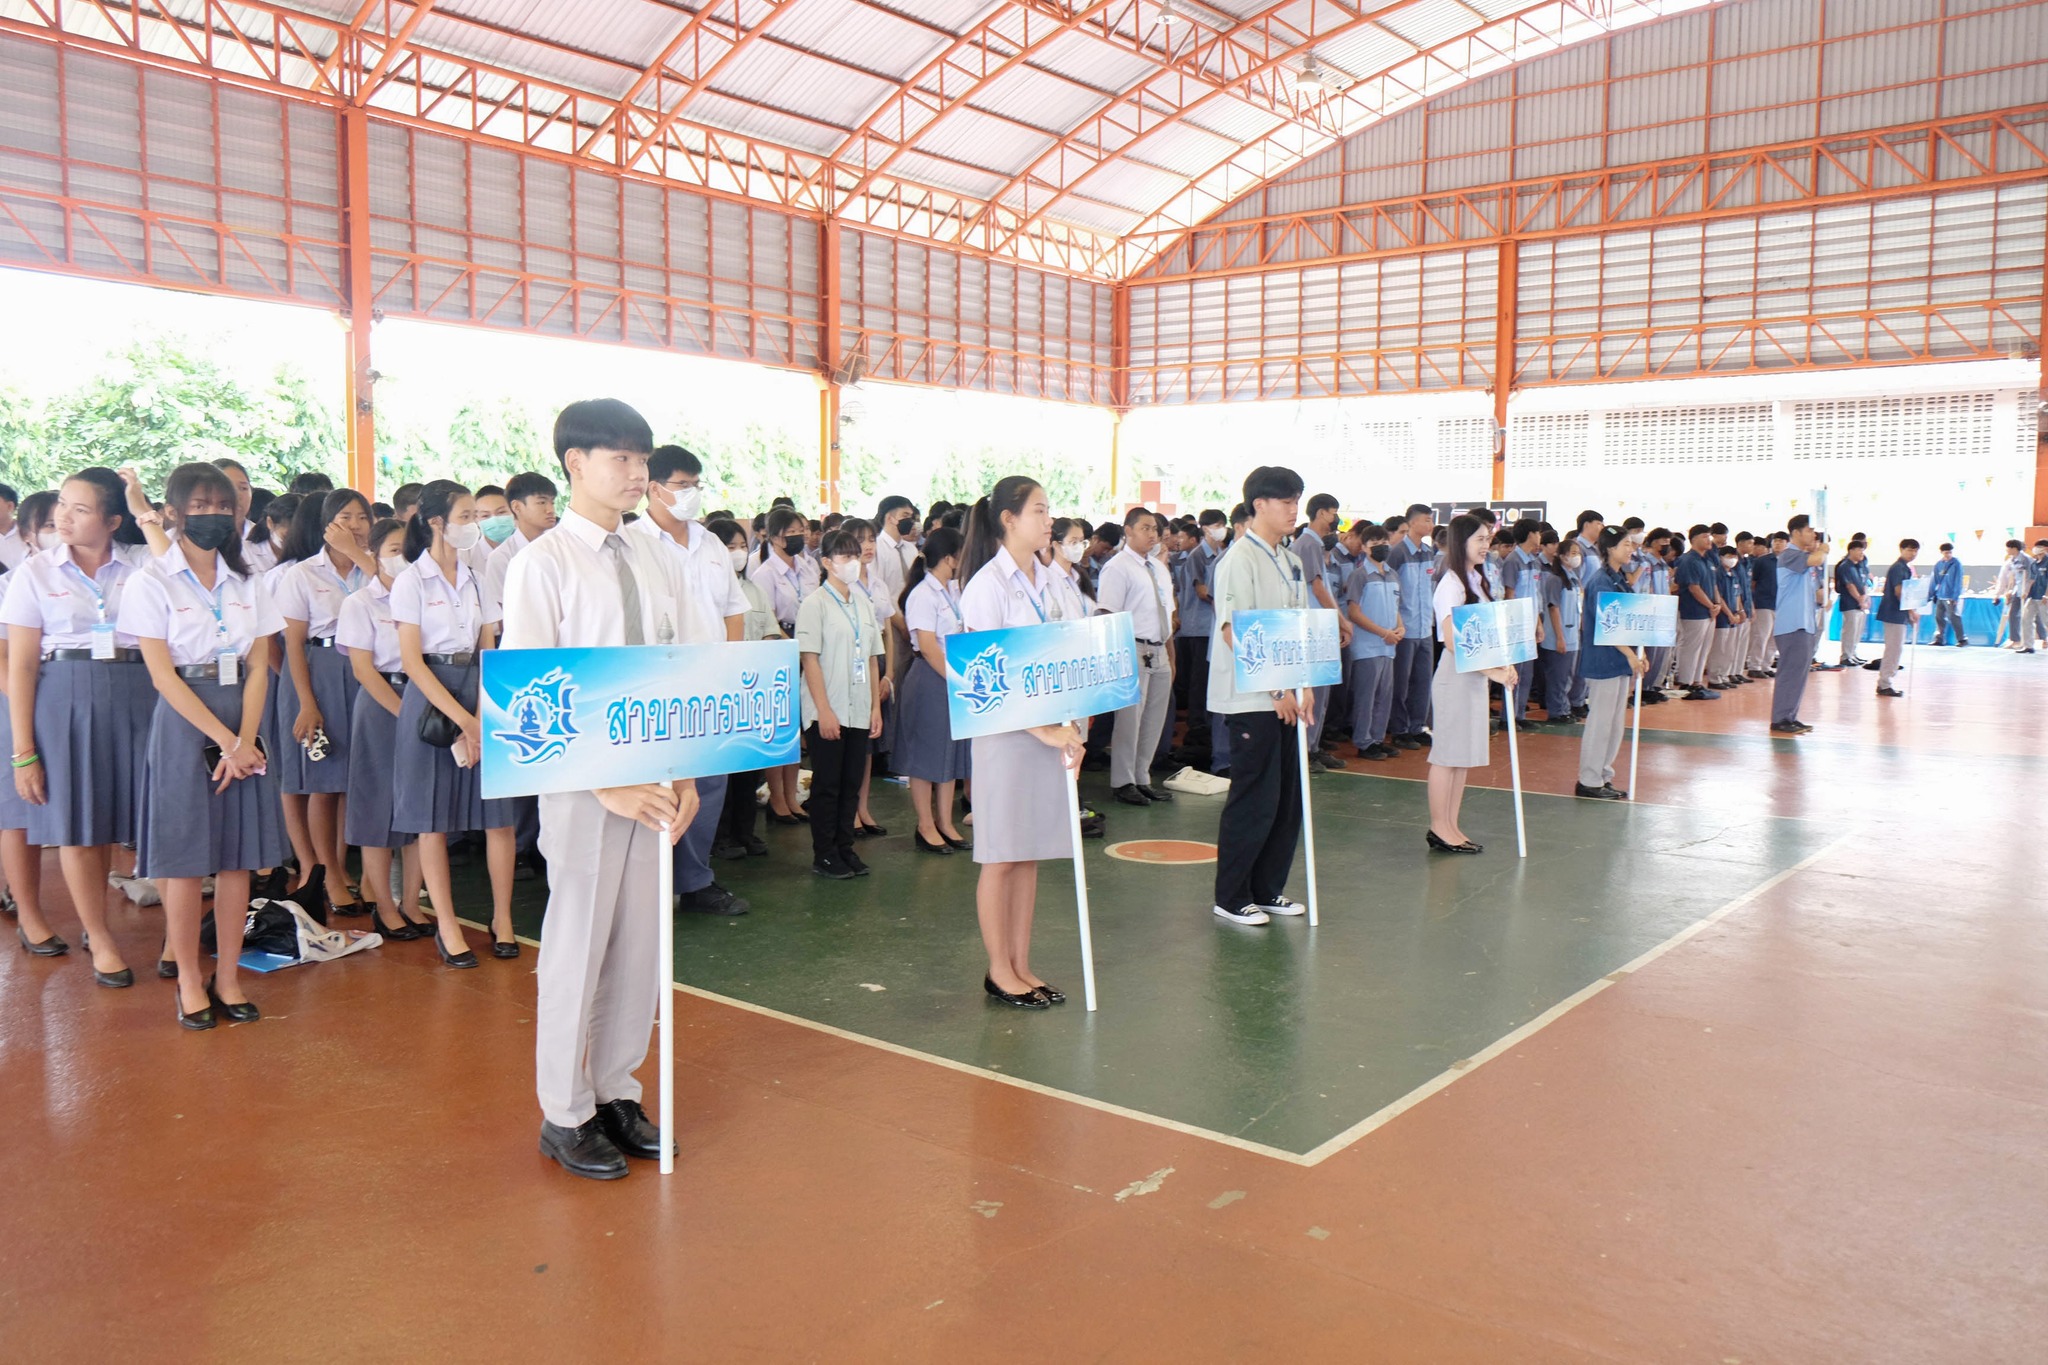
x,y
436,728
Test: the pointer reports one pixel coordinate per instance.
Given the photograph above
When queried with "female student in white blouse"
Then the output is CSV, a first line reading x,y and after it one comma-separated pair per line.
x,y
366,632
209,808
778,571
885,607
22,862
443,620
736,836
1020,778
926,751
316,694
80,696
1067,552
1459,734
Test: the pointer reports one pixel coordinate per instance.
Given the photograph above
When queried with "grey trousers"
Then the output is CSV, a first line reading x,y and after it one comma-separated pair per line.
x,y
1606,722
2034,622
1414,665
1136,737
1795,657
693,850
1694,639
1852,634
1761,639
1948,614
1894,650
1372,699
597,985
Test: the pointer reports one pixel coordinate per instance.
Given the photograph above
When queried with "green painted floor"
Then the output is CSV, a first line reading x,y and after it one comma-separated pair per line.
x,y
1282,1035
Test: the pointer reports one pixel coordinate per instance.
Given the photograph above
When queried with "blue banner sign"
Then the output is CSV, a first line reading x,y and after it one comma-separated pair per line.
x,y
1025,676
1914,593
1493,634
1636,618
571,720
1280,651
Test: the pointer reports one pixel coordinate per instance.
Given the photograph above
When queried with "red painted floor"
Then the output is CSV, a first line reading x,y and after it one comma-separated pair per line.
x,y
1815,1132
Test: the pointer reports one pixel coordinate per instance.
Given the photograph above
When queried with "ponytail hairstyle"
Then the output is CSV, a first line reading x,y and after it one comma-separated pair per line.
x,y
308,536
781,522
188,481
275,524
1554,563
1083,569
35,513
436,500
380,532
940,545
113,496
985,521
1453,563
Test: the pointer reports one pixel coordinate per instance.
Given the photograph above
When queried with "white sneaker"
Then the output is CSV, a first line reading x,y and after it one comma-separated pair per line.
x,y
1250,914
1280,905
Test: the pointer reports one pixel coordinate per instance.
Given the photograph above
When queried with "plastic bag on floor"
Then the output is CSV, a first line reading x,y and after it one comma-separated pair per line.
x,y
1195,782
283,933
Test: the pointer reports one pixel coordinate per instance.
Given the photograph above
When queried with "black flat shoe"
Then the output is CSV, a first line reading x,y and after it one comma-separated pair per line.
x,y
114,981
1443,845
776,819
198,1019
244,1013
925,846
869,831
460,961
166,969
962,844
504,949
1027,1000
49,947
353,909
404,933
1051,994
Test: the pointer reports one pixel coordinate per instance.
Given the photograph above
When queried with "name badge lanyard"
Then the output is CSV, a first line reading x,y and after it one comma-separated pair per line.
x,y
103,629
227,660
1033,599
1286,584
860,658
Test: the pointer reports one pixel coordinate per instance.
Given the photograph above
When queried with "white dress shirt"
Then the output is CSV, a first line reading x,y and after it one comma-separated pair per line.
x,y
260,558
499,562
451,616
893,559
366,624
785,584
166,602
708,568
934,608
311,591
13,549
562,592
1002,594
1131,582
49,592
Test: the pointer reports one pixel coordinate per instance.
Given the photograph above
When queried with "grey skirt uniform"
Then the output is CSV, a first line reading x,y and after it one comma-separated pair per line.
x,y
334,688
186,829
1458,732
1021,817
925,747
13,810
373,742
430,794
92,729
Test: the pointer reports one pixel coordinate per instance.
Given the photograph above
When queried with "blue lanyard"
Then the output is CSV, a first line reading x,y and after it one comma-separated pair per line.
x,y
1032,598
946,596
852,619
1286,585
99,599
213,600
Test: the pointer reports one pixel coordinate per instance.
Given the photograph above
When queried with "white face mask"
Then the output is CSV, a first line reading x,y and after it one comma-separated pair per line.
x,y
1073,550
1216,533
463,537
1572,561
739,561
392,565
46,539
688,502
846,570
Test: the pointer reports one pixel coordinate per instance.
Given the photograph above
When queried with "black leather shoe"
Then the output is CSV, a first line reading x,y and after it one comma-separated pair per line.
x,y
1051,994
729,852
114,981
925,846
713,900
1026,1000
869,831
832,868
406,932
1152,793
1602,792
1443,845
244,1013
1407,742
629,1128
1129,795
197,1020
756,847
1889,692
583,1150
962,844
49,947
775,818
504,949
166,969
460,961
853,862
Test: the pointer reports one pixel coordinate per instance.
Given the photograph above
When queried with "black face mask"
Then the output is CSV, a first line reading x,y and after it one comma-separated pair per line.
x,y
793,545
210,530
1378,553
904,528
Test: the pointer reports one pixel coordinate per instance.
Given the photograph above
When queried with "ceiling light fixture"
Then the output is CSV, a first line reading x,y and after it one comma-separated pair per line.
x,y
1311,80
1169,13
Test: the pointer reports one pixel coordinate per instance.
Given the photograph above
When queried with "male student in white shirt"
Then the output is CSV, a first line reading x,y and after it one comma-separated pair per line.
x,y
532,500
597,989
1134,581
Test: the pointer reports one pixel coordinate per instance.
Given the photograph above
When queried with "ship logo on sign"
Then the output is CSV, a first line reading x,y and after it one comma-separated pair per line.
x,y
1251,649
1475,636
987,686
1611,617
543,719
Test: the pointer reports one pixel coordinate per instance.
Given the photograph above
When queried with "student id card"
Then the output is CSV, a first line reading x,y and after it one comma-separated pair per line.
x,y
103,641
230,667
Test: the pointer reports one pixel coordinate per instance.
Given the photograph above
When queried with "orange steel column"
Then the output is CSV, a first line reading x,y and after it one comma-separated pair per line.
x,y
2040,397
1119,382
361,291
828,365
1503,359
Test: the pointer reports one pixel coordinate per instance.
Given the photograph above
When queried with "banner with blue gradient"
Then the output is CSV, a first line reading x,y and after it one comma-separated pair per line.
x,y
568,720
1025,676
1493,634
1281,651
1915,592
1636,618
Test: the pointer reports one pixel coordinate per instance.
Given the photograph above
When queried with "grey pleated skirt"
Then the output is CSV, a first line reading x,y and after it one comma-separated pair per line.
x,y
925,747
373,738
335,688
92,729
186,829
1020,801
13,810
1458,731
430,795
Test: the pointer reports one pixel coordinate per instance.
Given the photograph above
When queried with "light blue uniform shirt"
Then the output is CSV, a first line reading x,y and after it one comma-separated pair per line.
x,y
1375,590
1797,608
1415,566
1197,618
1563,594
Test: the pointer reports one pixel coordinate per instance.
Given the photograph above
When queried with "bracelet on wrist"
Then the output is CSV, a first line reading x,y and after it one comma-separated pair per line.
x,y
28,761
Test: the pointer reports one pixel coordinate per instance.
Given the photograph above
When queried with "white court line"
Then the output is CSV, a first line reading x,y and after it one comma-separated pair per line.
x,y
1323,1151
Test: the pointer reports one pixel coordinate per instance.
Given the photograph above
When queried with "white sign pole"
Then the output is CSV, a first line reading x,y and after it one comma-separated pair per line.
x,y
665,960
1308,819
1515,772
1636,747
1081,887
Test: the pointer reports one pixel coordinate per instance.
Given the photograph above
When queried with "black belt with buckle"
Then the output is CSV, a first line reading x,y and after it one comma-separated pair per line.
x,y
119,656
211,670
320,642
451,660
397,680
1153,643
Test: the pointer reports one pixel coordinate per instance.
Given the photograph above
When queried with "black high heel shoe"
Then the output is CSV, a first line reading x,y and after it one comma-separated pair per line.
x,y
925,846
1026,1000
1443,845
49,947
244,1013
460,961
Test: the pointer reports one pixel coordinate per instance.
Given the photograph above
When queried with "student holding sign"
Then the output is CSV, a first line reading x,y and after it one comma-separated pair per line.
x,y
1458,700
1608,670
1895,617
1261,821
1020,778
584,585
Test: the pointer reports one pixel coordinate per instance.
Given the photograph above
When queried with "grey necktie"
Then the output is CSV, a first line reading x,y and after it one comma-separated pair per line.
x,y
629,588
